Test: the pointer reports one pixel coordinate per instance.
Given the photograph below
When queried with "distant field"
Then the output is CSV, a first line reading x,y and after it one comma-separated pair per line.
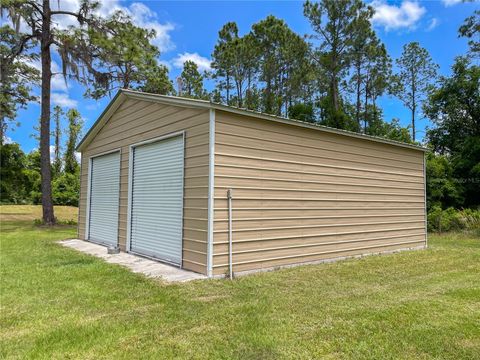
x,y
32,212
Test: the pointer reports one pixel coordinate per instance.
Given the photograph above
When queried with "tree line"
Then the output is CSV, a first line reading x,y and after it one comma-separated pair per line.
x,y
20,173
334,76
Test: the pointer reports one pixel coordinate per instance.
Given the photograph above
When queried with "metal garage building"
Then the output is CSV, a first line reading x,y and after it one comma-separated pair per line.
x,y
156,171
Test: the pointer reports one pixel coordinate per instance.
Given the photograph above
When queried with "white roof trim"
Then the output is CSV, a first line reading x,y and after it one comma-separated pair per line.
x,y
123,94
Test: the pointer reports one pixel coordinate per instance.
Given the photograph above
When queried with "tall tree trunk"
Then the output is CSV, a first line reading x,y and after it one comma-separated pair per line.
x,y
413,121
2,128
334,87
365,119
56,162
334,81
3,121
239,86
45,169
228,89
359,85
414,107
268,90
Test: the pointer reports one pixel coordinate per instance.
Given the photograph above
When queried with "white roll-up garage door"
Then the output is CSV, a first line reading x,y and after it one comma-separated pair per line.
x,y
157,200
104,194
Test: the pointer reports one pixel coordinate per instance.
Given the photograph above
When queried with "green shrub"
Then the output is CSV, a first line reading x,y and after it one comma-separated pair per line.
x,y
66,189
470,219
453,220
57,221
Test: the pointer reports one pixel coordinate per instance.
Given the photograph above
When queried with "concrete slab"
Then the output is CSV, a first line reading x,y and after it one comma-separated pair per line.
x,y
134,263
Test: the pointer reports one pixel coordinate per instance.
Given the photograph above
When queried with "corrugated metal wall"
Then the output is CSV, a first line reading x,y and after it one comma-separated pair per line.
x,y
302,195
104,191
157,199
135,121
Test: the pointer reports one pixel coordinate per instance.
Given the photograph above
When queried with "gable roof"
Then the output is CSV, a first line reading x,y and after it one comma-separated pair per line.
x,y
125,94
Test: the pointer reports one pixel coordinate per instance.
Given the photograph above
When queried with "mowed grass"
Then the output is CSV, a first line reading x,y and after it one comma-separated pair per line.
x,y
57,303
34,212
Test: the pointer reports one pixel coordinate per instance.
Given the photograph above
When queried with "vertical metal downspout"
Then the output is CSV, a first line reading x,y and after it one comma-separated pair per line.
x,y
230,219
425,196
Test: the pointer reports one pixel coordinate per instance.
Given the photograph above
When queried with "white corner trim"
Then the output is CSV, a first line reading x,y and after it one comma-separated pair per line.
x,y
87,207
129,198
82,168
211,191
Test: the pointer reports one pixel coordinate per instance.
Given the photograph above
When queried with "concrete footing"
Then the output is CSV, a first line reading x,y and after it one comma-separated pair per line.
x,y
134,263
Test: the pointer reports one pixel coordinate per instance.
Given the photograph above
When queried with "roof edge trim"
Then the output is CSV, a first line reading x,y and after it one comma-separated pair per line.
x,y
204,104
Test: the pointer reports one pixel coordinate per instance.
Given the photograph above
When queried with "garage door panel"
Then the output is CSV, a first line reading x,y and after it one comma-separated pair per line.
x,y
104,195
157,199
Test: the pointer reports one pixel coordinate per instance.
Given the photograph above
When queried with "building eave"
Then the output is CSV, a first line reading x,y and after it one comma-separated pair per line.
x,y
123,94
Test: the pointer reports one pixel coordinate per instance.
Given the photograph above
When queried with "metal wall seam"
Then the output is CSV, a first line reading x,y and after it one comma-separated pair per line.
x,y
322,253
249,167
211,191
295,162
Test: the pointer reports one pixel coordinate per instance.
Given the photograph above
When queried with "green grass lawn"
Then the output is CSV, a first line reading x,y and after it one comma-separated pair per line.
x,y
34,212
58,303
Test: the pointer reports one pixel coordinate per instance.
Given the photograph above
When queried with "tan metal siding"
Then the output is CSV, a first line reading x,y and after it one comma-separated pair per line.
x,y
303,195
135,121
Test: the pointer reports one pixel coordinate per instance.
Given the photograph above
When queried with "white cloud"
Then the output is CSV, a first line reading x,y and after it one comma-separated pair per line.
x,y
58,81
63,100
202,62
433,24
64,21
78,156
52,153
144,17
35,64
393,17
165,63
451,2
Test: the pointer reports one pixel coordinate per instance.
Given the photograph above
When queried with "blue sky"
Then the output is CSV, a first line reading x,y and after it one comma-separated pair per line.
x,y
189,30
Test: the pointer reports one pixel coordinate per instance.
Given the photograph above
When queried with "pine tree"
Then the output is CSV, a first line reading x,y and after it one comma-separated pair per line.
x,y
16,75
223,58
57,133
335,24
471,30
417,72
39,17
88,51
74,128
124,53
192,81
157,81
282,59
